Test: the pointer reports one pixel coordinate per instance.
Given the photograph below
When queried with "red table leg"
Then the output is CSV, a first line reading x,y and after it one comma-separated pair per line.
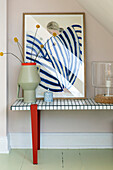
x,y
34,125
38,129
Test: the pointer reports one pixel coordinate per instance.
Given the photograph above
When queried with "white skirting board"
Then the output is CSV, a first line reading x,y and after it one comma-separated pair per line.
x,y
63,140
4,147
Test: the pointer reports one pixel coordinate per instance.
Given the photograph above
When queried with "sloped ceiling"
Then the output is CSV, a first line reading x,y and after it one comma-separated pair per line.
x,y
101,10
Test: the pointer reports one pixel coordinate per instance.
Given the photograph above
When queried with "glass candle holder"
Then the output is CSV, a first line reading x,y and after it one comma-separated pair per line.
x,y
102,81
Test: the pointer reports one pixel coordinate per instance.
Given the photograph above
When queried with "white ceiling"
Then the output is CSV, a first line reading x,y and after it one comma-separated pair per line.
x,y
101,10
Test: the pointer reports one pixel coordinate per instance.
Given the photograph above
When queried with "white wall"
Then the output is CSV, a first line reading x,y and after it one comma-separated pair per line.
x,y
99,46
3,68
101,10
3,78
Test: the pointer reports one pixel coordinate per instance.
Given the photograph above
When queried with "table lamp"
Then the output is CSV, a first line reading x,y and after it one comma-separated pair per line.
x,y
102,81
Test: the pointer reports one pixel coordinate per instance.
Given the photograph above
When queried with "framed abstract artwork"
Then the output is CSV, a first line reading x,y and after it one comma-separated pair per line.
x,y
56,43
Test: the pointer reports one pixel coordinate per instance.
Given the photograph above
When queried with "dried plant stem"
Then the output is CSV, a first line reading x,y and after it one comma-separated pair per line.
x,y
33,43
42,48
21,50
14,56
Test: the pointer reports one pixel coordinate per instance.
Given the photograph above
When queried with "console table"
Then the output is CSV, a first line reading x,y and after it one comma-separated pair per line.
x,y
57,104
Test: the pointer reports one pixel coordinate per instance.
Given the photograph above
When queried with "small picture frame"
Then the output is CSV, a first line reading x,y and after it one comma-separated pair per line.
x,y
48,96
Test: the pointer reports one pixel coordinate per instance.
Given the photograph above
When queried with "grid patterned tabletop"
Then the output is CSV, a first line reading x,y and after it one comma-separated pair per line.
x,y
63,104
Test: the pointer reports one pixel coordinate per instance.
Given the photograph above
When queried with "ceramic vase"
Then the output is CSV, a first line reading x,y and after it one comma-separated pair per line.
x,y
28,80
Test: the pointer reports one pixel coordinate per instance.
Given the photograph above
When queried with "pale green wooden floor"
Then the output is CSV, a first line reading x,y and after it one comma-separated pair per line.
x,y
58,160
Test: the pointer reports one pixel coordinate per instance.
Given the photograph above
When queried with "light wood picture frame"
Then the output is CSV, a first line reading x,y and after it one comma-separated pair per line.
x,y
58,48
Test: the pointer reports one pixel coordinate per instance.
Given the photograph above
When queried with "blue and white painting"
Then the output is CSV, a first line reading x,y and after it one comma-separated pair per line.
x,y
61,60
